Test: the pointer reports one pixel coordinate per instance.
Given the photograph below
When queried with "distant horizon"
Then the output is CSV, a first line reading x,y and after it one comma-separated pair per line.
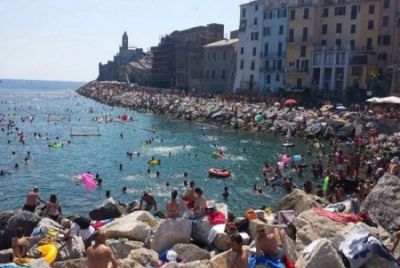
x,y
45,80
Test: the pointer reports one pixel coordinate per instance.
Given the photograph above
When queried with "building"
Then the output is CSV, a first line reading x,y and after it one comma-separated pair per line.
x,y
178,59
130,64
273,55
249,49
219,66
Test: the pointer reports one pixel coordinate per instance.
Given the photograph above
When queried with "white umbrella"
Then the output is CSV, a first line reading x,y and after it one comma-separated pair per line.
x,y
391,100
375,100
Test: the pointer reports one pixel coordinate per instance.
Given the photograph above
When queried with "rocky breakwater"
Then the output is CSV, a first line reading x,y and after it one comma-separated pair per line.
x,y
315,235
239,115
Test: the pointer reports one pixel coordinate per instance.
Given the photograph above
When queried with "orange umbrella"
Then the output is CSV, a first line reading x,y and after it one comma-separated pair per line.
x,y
290,102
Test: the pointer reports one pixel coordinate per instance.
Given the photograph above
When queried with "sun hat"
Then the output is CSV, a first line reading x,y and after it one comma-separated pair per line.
x,y
210,204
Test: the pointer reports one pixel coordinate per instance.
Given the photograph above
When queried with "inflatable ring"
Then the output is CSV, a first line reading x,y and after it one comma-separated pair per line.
x,y
223,173
49,252
154,162
57,145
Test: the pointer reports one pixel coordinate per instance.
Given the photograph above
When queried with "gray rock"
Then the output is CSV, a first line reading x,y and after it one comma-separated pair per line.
x,y
191,252
322,255
77,263
75,249
299,201
200,231
4,216
127,227
194,264
24,219
109,211
383,202
5,255
141,257
122,248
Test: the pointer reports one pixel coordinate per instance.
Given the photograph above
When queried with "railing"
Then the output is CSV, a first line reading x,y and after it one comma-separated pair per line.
x,y
274,55
296,70
298,39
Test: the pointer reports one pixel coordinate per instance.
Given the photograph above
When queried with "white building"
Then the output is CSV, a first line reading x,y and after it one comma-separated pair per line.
x,y
249,49
274,45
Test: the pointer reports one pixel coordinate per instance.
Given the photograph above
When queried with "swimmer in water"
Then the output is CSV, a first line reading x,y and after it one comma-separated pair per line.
x,y
225,194
158,174
120,166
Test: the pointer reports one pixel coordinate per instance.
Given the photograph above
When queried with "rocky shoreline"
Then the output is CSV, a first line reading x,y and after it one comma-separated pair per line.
x,y
311,239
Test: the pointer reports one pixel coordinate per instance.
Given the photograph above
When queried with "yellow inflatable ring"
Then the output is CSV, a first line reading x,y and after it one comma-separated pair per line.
x,y
49,252
154,162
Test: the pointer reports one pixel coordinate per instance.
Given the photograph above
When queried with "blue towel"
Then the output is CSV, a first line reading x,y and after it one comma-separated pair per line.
x,y
12,265
254,260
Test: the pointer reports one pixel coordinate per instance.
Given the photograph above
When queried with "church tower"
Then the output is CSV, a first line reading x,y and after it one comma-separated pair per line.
x,y
125,41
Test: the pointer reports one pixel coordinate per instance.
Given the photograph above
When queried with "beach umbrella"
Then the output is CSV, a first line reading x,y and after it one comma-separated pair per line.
x,y
391,100
374,100
341,108
290,102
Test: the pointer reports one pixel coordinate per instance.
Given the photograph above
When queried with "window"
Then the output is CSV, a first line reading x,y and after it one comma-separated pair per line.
x,y
254,51
369,43
339,42
316,59
325,12
324,29
223,74
254,36
255,22
209,56
371,9
279,49
267,31
243,12
306,14
340,11
266,49
386,3
382,56
277,78
292,14
353,28
280,29
302,51
256,7
299,83
370,24
252,66
284,13
385,21
329,58
305,34
352,44
353,14
241,64
386,40
241,50
291,35
273,65
266,65
268,79
279,65
214,55
213,74
278,13
323,43
338,28
265,15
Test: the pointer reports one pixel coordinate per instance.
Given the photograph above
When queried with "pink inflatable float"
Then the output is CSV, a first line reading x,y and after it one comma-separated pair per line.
x,y
88,180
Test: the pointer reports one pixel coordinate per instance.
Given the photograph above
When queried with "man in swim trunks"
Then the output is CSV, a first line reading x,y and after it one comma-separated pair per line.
x,y
32,199
269,244
240,256
99,255
150,202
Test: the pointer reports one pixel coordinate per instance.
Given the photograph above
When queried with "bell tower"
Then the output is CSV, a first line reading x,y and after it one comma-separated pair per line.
x,y
125,41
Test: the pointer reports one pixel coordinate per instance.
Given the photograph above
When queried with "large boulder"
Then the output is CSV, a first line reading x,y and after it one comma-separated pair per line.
x,y
201,229
75,249
144,216
222,242
191,252
76,263
24,219
223,259
168,233
310,226
193,264
383,202
122,247
127,227
320,253
141,257
299,201
109,211
4,217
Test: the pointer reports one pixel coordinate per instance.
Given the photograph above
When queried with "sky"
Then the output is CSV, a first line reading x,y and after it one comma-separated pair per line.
x,y
66,39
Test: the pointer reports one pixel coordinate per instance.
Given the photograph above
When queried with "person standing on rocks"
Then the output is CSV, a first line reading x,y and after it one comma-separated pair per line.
x,y
99,255
149,200
32,199
240,256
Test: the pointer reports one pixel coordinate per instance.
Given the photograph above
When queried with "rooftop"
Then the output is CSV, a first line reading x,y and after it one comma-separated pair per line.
x,y
222,43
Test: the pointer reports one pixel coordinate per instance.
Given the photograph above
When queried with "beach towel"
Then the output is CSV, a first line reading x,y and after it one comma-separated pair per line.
x,y
254,261
285,217
339,217
214,231
216,218
360,246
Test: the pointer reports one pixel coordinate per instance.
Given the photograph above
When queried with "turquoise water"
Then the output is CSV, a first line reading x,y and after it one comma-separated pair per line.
x,y
55,170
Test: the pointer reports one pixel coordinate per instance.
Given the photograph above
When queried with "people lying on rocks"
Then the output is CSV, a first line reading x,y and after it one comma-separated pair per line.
x,y
213,215
149,200
270,245
172,207
240,255
53,209
20,246
99,255
32,200
79,226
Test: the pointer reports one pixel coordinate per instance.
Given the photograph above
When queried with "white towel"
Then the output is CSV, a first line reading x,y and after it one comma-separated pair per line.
x,y
214,231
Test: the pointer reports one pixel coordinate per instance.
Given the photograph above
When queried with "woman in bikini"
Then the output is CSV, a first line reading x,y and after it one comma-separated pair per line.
x,y
53,208
172,207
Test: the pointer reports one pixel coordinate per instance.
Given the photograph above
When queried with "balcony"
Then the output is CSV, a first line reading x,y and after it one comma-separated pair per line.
x,y
281,54
296,70
299,39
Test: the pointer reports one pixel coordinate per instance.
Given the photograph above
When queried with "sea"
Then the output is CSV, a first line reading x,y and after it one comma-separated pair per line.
x,y
182,146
